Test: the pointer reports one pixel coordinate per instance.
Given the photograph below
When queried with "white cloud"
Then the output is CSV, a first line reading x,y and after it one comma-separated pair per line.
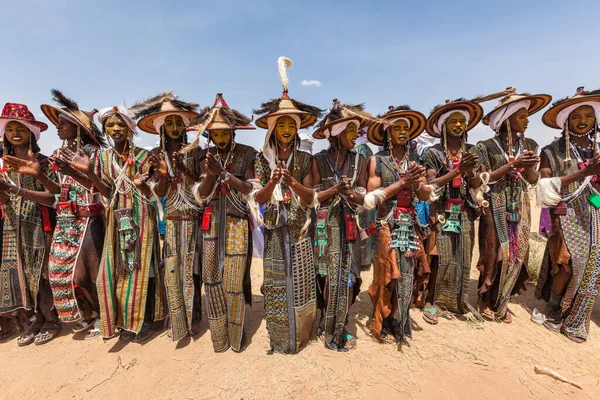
x,y
310,83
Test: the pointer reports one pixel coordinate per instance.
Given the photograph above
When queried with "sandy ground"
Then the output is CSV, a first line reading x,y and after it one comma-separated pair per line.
x,y
453,360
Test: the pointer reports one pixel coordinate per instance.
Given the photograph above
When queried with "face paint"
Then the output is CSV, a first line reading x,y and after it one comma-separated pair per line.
x,y
582,120
221,138
66,129
174,127
456,124
285,130
349,136
116,128
399,132
519,121
17,134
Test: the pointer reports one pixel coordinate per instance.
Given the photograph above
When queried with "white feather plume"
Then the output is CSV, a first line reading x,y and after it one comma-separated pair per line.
x,y
282,64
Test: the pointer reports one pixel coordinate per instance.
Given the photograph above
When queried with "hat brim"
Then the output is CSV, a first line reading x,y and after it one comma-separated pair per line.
x,y
475,114
147,123
376,130
306,119
53,114
550,116
43,126
538,101
320,133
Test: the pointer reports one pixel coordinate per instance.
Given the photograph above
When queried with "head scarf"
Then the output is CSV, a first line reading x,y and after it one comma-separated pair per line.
x,y
160,120
563,115
392,121
270,152
123,112
437,128
32,127
505,112
336,129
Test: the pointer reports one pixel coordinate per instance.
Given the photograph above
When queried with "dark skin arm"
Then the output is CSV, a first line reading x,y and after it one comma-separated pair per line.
x,y
81,162
265,193
467,165
66,169
178,164
213,169
527,161
42,197
414,175
33,168
593,168
157,161
302,189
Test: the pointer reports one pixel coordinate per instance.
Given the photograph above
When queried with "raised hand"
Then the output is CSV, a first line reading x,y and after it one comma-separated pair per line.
x,y
414,173
157,160
63,167
212,165
80,160
178,161
140,179
527,159
276,174
468,163
593,168
26,167
288,179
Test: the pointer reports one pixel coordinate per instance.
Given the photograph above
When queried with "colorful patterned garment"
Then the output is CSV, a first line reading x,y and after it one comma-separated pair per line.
x,y
182,214
399,254
73,234
503,231
450,246
573,242
366,217
129,256
24,248
227,255
289,275
338,258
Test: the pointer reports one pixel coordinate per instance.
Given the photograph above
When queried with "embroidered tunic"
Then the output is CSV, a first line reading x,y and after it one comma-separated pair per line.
x,y
503,230
338,257
227,254
289,275
573,243
130,249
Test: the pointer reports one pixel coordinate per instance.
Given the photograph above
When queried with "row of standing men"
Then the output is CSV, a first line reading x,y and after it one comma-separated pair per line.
x,y
80,241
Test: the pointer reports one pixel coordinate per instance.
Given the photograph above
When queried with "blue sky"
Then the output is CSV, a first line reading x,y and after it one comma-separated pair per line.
x,y
380,53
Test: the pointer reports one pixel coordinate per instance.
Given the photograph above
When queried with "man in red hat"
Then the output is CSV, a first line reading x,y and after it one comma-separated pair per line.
x,y
28,227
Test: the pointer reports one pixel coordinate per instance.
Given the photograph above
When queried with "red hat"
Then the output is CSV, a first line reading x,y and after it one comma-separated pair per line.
x,y
20,112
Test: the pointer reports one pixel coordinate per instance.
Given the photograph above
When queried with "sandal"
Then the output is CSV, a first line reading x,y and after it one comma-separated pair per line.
x,y
349,342
28,337
144,333
488,315
83,325
574,338
94,332
507,319
429,312
47,334
126,336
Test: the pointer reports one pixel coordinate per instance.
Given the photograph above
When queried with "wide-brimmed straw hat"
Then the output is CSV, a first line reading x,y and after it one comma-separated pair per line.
x,y
285,105
376,131
163,104
581,96
474,110
341,113
220,116
536,103
69,109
